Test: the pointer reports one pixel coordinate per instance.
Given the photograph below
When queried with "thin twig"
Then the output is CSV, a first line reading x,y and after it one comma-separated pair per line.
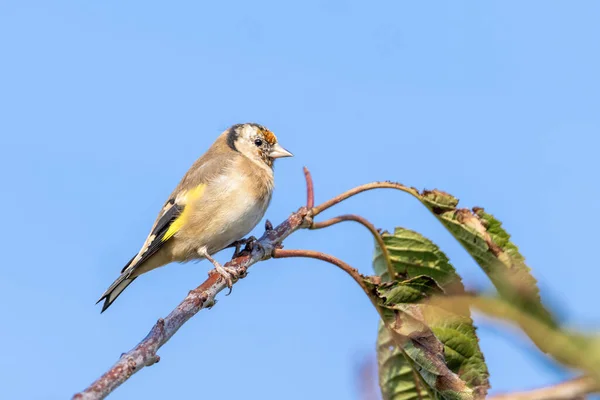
x,y
573,389
310,191
353,272
364,222
363,188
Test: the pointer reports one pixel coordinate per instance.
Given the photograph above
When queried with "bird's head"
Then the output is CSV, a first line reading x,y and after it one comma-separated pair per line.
x,y
256,142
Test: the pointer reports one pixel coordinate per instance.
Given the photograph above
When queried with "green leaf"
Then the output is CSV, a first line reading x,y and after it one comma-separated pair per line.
x,y
573,349
397,378
483,236
412,255
410,332
395,294
442,346
440,201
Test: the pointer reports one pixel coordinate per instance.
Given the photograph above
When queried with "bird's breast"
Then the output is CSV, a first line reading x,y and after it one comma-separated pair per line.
x,y
229,209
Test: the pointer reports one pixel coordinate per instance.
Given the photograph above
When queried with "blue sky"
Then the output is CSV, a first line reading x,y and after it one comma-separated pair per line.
x,y
105,104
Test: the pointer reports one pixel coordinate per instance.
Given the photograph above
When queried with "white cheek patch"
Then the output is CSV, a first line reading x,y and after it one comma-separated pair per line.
x,y
248,131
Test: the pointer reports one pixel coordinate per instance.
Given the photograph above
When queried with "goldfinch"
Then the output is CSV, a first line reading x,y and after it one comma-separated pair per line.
x,y
219,200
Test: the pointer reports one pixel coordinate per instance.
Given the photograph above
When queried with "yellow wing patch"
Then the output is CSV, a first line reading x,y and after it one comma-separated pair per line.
x,y
190,197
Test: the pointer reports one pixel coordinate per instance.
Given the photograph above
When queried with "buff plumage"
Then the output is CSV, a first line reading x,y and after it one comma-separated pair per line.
x,y
219,200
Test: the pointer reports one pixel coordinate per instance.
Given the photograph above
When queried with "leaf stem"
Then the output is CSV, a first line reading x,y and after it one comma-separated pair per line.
x,y
310,191
363,188
364,222
353,272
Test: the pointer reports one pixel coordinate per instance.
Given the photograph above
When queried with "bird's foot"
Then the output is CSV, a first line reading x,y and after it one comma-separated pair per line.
x,y
252,244
229,274
242,242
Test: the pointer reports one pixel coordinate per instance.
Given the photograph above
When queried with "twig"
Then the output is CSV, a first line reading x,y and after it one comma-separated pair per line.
x,y
310,191
363,188
353,272
573,389
364,222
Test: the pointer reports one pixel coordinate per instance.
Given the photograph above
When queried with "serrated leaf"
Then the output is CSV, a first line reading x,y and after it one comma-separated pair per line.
x,y
412,255
397,378
489,244
395,294
410,332
445,350
440,201
576,350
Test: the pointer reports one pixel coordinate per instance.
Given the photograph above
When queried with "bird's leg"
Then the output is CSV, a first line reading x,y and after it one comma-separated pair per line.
x,y
238,245
228,273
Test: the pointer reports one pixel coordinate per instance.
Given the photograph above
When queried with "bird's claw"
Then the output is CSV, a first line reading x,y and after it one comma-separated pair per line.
x,y
254,244
248,244
229,274
251,244
238,245
268,225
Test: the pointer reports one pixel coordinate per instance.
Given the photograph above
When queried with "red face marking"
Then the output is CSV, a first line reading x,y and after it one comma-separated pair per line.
x,y
269,136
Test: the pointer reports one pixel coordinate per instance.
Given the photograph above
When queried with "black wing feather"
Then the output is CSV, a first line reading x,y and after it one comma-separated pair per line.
x,y
162,226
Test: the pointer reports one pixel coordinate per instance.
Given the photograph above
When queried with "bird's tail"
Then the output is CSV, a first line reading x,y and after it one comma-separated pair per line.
x,y
117,287
115,290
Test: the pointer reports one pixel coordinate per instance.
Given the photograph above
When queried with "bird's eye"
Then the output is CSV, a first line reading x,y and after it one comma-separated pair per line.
x,y
258,142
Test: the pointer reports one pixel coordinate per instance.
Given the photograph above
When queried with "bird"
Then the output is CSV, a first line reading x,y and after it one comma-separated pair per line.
x,y
219,200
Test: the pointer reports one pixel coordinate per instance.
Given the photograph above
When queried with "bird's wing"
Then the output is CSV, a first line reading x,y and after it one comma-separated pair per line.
x,y
170,220
175,213
173,216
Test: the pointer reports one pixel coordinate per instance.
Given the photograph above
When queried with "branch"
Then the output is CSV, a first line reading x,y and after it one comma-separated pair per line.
x,y
364,222
144,354
363,188
573,389
353,272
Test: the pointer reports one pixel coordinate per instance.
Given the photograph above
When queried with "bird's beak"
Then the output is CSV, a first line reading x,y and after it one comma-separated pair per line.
x,y
278,152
